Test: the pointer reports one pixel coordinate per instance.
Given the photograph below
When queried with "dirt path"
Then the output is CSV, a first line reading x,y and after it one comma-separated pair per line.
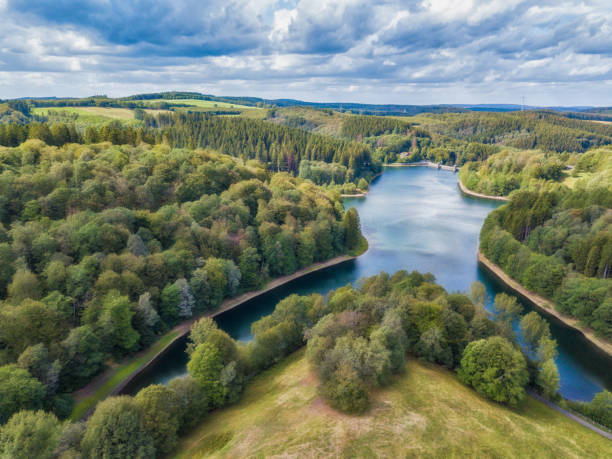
x,y
363,194
183,329
578,419
469,192
544,304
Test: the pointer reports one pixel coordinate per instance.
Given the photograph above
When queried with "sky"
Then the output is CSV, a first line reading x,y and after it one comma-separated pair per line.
x,y
405,52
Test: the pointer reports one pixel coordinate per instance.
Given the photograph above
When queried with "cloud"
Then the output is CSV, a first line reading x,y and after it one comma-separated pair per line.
x,y
400,51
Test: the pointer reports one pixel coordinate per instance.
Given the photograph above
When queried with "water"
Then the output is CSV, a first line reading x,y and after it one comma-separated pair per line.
x,y
413,218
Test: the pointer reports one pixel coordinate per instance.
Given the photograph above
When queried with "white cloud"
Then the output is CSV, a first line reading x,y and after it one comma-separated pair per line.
x,y
283,19
311,48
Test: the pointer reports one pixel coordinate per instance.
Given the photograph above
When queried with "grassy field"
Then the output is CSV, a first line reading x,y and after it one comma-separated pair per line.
x,y
202,103
87,401
426,412
93,113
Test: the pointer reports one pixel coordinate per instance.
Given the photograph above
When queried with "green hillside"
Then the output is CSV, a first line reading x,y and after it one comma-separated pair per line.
x,y
426,412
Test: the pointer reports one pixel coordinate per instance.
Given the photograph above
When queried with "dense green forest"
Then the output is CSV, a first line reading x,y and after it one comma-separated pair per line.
x,y
281,148
104,247
547,131
558,243
356,339
510,170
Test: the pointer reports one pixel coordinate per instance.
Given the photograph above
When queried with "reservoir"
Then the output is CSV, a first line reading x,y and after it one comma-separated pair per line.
x,y
414,218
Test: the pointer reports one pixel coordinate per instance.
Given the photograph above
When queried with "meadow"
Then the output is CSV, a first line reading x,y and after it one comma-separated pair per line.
x,y
425,412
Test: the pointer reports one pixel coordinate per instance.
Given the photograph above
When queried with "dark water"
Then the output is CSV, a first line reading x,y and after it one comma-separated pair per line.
x,y
413,218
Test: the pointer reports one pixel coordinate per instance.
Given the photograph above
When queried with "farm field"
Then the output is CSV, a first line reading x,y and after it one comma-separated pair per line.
x,y
202,103
426,412
92,112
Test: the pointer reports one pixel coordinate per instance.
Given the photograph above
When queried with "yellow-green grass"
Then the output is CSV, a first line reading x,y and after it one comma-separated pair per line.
x,y
570,180
425,412
93,113
118,375
202,103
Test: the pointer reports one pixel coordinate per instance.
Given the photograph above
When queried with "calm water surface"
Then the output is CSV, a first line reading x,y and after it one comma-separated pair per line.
x,y
413,218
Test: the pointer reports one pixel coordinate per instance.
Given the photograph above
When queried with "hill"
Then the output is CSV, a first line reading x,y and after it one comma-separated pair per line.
x,y
424,412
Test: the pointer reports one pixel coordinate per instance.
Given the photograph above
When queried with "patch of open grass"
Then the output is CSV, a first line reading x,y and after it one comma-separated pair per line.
x,y
202,103
95,113
426,412
83,117
118,375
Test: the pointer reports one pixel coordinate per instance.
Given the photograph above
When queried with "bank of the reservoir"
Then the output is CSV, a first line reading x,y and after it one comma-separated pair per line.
x,y
543,304
424,164
465,190
105,385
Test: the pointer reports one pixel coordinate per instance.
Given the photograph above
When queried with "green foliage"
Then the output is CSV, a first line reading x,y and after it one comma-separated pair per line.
x,y
599,409
116,323
205,366
510,170
356,127
29,323
365,335
322,173
556,244
281,147
24,285
534,328
192,398
129,240
495,369
352,228
18,391
161,412
346,391
82,356
548,378
30,434
117,429
542,130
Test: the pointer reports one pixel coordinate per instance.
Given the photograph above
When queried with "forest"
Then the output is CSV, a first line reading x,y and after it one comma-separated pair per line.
x,y
105,247
356,339
542,130
280,148
558,244
510,169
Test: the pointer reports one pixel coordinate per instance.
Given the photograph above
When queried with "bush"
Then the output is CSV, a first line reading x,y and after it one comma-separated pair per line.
x,y
495,369
345,391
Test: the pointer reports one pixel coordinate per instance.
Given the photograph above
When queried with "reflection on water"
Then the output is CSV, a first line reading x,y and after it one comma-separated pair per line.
x,y
413,218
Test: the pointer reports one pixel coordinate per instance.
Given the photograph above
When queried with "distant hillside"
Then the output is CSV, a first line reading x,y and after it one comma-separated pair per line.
x,y
545,130
158,98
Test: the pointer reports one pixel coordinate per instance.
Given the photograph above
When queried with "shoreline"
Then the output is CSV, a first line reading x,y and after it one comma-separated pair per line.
x,y
543,304
423,164
363,194
181,330
465,190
